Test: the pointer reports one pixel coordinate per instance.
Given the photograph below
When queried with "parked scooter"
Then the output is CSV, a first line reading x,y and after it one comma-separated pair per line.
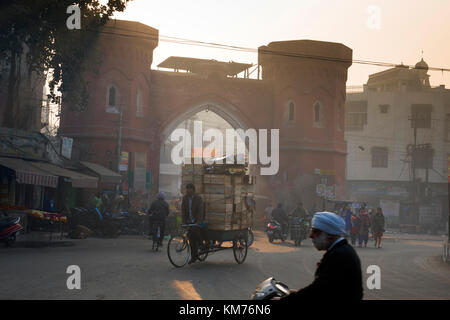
x,y
274,231
299,230
9,229
270,288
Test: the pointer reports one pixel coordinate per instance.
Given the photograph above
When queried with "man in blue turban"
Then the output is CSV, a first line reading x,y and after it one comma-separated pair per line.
x,y
338,274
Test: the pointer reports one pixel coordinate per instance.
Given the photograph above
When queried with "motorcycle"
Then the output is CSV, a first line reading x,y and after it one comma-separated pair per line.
x,y
274,231
134,223
270,288
9,229
299,230
102,224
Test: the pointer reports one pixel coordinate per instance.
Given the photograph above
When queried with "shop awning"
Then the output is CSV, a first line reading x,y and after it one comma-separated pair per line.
x,y
79,180
106,175
28,174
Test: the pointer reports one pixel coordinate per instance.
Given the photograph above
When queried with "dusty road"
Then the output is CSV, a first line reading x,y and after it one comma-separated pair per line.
x,y
126,268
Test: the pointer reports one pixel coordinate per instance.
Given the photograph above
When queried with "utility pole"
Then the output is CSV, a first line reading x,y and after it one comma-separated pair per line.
x,y
413,120
119,143
413,153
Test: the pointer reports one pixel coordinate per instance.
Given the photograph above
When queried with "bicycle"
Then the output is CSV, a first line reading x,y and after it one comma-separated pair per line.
x,y
156,235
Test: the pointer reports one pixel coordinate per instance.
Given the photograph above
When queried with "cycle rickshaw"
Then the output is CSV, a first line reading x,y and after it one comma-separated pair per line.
x,y
179,249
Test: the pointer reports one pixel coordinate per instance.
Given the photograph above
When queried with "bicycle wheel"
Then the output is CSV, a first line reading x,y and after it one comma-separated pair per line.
x,y
240,249
178,251
203,251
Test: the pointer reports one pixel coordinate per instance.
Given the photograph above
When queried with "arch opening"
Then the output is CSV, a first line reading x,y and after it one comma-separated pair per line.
x,y
211,116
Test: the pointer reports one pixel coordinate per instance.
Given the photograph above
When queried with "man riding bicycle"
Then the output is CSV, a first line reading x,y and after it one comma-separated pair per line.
x,y
158,212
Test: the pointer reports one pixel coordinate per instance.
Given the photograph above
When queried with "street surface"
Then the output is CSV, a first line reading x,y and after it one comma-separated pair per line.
x,y
126,268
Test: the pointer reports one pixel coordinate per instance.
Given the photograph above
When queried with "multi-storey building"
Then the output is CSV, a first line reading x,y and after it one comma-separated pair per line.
x,y
397,130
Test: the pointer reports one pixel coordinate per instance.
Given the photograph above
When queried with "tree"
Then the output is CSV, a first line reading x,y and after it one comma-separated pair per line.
x,y
37,30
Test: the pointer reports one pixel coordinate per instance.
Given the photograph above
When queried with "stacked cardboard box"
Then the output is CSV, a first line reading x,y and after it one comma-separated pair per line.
x,y
224,189
192,173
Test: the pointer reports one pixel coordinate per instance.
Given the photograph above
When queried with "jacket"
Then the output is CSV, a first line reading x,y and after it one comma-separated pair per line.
x,y
159,210
299,212
338,276
348,220
378,223
279,215
364,223
198,211
355,225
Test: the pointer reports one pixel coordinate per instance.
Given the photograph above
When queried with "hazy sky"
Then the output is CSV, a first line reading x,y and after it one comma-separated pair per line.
x,y
406,28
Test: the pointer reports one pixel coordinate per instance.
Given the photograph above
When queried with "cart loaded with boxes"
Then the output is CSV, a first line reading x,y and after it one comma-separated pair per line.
x,y
226,190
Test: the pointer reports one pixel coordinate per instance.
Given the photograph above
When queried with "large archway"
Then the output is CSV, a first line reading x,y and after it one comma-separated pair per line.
x,y
225,113
212,116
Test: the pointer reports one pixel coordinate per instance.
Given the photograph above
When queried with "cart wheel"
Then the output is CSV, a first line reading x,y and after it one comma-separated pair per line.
x,y
203,251
240,249
178,251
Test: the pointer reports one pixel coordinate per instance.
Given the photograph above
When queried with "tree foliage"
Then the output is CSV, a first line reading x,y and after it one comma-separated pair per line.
x,y
37,30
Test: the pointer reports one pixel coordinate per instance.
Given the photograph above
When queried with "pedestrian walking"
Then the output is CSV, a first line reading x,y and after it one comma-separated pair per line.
x,y
378,222
364,227
347,216
354,229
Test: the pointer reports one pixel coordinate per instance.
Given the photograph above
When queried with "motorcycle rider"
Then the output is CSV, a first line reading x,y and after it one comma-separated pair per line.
x,y
338,274
299,212
280,216
158,212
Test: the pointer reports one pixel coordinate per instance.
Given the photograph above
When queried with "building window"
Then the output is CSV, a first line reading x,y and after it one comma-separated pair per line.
x,y
139,104
291,111
318,115
355,115
112,99
112,96
421,116
379,157
384,108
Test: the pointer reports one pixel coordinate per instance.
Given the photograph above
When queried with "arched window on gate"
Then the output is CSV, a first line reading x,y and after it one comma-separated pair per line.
x,y
139,103
112,99
318,115
291,116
